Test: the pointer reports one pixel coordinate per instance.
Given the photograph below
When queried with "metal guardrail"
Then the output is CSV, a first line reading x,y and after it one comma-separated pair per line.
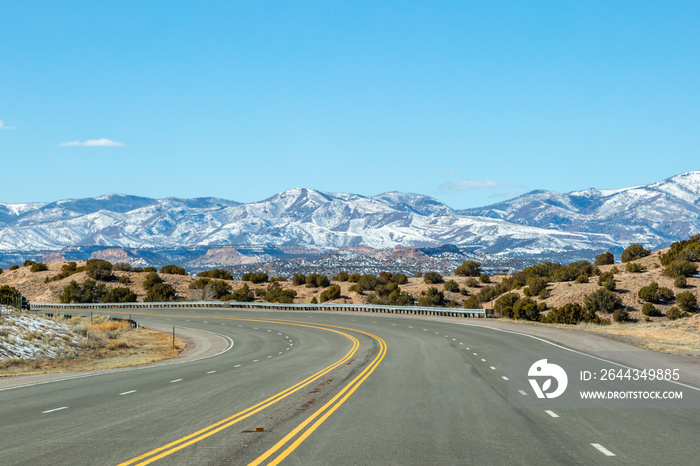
x,y
375,308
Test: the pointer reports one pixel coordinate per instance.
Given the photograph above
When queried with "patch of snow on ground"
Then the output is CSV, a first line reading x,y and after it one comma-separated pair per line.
x,y
29,336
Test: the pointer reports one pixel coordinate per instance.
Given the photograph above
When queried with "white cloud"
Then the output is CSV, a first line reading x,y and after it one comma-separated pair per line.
x,y
457,186
4,126
103,142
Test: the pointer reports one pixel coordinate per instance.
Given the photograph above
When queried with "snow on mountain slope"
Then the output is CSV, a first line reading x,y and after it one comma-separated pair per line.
x,y
536,223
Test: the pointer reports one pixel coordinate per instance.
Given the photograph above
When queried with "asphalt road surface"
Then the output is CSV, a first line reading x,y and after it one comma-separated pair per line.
x,y
308,388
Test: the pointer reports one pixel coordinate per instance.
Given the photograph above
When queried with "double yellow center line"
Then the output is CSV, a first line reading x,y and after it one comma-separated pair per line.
x,y
322,414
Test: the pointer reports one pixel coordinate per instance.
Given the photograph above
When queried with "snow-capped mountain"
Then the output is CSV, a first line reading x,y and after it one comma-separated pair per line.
x,y
538,224
654,215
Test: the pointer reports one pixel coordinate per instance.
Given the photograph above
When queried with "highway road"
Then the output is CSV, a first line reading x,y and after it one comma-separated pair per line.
x,y
347,389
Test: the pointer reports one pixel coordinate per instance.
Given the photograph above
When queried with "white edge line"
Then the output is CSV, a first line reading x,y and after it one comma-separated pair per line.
x,y
571,350
113,371
602,449
176,380
55,409
127,393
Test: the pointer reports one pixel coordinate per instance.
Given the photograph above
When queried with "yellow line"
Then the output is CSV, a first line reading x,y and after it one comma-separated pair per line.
x,y
225,423
350,389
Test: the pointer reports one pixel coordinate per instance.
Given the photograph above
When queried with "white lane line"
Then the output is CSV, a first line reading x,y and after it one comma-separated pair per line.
x,y
287,349
237,365
393,325
410,326
255,328
446,336
436,333
205,322
270,356
280,352
176,380
211,372
493,368
222,324
504,377
256,360
467,349
425,329
551,413
602,449
55,409
240,326
279,333
461,343
522,392
483,360
127,393
475,354
454,339
269,330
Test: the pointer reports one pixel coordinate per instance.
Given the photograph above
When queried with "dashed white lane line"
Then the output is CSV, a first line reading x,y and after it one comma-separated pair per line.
x,y
425,329
475,354
493,368
255,328
454,339
446,336
288,349
522,392
222,324
269,330
211,372
54,410
205,322
280,352
269,356
127,393
410,326
256,360
240,326
279,333
393,325
602,449
504,377
483,360
436,333
176,380
237,365
551,413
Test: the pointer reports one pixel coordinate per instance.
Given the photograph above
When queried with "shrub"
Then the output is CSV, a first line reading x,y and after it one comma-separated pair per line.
x,y
315,280
313,300
241,295
634,252
472,302
298,279
582,279
149,269
278,279
199,283
680,267
688,250
98,269
484,278
260,277
634,267
673,313
686,301
119,295
151,280
505,304
572,314
432,278
122,267
275,294
330,293
652,293
471,282
160,292
620,315
451,285
89,292
535,286
14,267
604,259
173,270
468,269
431,297
39,267
124,280
417,274
216,273
648,309
8,293
680,281
29,263
602,300
66,271
341,277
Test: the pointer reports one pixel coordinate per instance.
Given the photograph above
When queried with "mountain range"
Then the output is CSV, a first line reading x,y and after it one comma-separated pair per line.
x,y
539,224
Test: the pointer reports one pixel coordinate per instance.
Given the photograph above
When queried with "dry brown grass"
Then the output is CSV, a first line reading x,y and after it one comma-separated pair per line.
x,y
106,344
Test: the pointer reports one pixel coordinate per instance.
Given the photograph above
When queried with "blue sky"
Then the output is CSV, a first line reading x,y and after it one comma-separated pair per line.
x,y
469,102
